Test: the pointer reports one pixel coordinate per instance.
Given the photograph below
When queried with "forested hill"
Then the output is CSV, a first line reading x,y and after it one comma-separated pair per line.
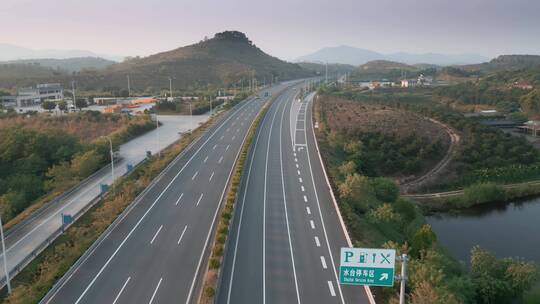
x,y
224,59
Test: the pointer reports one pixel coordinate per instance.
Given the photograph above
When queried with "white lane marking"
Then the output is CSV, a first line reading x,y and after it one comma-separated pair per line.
x,y
308,210
200,198
228,129
227,148
303,189
285,199
181,235
331,287
323,262
179,198
214,147
146,213
320,214
211,175
221,137
317,242
312,224
205,159
155,291
242,214
155,235
298,171
296,159
220,159
121,290
297,166
300,180
237,130
294,154
195,175
305,198
234,136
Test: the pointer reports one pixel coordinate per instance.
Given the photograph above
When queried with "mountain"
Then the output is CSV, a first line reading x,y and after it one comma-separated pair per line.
x,y
10,52
342,54
333,68
68,65
357,56
225,59
391,70
505,63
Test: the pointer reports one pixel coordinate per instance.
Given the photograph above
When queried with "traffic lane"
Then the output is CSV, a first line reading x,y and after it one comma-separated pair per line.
x,y
158,226
315,278
243,282
242,279
88,269
335,232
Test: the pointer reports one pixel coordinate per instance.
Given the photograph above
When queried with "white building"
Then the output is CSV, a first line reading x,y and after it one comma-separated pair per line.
x,y
31,96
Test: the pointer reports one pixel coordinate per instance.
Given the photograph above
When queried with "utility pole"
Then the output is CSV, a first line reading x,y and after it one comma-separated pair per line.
x,y
190,117
170,87
129,86
73,93
5,259
112,158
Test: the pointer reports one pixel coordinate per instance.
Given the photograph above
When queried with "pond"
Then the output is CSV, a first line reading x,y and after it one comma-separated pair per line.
x,y
505,229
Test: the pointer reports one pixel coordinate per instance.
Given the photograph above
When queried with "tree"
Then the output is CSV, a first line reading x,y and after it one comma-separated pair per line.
x,y
86,163
62,106
48,105
81,103
423,239
385,189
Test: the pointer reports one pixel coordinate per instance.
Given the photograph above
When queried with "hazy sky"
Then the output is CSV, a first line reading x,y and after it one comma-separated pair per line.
x,y
284,28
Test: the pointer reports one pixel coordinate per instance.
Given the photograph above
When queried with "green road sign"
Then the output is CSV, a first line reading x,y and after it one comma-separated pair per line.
x,y
367,266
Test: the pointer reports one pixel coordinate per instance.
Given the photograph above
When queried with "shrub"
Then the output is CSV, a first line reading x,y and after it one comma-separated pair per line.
x,y
385,189
423,239
482,193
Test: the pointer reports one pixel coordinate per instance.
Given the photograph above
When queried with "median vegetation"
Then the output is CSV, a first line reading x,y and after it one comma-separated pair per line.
x,y
211,278
33,282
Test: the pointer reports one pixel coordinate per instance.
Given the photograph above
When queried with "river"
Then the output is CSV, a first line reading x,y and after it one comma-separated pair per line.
x,y
505,229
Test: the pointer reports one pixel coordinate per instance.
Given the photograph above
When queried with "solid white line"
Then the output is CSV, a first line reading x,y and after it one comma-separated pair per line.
x,y
323,262
227,148
331,287
181,235
155,235
285,199
308,210
121,290
242,213
220,159
317,242
312,224
195,175
178,200
155,291
305,198
212,175
150,208
205,159
200,198
303,189
321,216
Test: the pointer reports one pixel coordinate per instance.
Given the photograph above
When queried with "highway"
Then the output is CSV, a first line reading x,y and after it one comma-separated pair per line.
x,y
155,252
286,234
37,230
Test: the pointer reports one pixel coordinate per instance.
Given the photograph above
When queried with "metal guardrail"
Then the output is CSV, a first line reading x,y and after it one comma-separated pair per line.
x,y
29,258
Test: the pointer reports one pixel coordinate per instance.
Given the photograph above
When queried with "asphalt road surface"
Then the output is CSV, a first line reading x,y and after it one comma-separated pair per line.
x,y
286,234
155,253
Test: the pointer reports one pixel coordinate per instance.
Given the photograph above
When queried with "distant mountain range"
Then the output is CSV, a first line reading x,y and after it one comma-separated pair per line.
x,y
357,56
224,59
9,52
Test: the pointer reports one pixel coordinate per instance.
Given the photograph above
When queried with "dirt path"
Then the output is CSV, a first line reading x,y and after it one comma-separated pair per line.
x,y
437,169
